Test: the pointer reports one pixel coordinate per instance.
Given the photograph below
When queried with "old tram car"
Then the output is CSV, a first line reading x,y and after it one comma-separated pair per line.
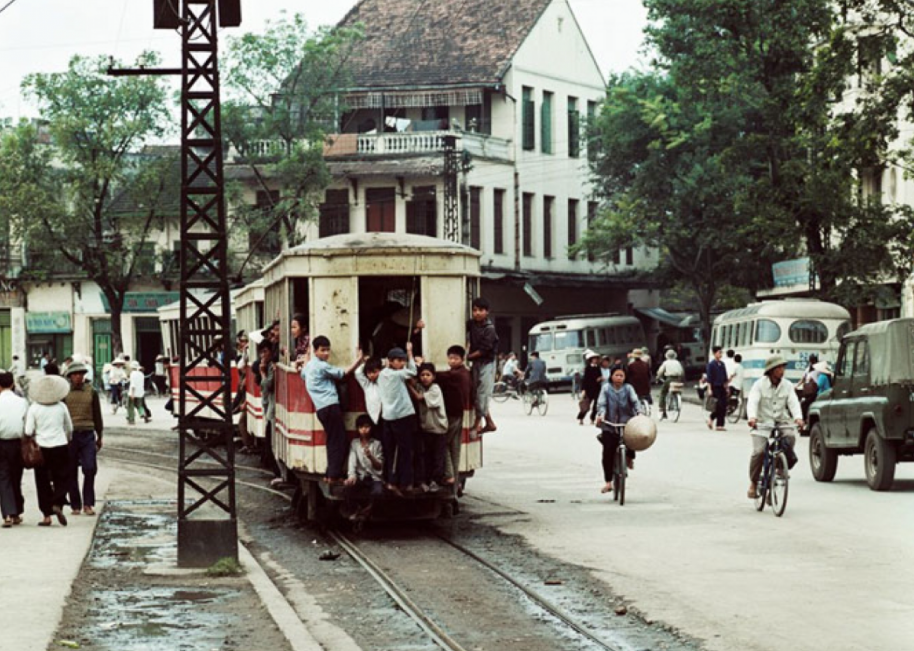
x,y
364,290
248,305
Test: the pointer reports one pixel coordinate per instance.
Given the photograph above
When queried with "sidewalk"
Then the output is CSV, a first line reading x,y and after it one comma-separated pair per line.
x,y
39,564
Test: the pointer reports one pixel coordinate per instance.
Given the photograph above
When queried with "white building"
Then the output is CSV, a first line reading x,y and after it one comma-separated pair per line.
x,y
513,83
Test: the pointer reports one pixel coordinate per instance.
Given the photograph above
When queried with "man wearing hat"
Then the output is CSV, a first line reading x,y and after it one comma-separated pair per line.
x,y
639,376
86,413
117,378
772,401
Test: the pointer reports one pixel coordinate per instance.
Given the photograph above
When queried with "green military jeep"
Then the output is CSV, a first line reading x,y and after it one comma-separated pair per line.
x,y
870,408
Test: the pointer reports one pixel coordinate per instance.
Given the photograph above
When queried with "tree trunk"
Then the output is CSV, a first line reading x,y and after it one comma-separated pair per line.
x,y
116,303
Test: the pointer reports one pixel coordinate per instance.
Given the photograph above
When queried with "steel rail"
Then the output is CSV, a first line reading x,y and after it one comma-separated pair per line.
x,y
534,596
170,456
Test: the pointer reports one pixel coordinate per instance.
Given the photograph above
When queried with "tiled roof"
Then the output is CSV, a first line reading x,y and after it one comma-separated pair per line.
x,y
434,43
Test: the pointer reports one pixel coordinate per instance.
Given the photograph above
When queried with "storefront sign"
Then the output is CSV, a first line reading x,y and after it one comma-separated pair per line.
x,y
144,301
48,322
791,273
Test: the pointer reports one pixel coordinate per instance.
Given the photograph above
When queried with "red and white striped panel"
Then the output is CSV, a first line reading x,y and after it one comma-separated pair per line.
x,y
204,388
253,406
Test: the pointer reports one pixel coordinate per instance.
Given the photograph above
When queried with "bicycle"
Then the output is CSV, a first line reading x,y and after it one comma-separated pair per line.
x,y
645,406
535,398
620,462
735,406
674,401
504,390
775,478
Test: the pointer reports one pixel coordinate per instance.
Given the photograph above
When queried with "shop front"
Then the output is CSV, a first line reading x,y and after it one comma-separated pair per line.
x,y
48,332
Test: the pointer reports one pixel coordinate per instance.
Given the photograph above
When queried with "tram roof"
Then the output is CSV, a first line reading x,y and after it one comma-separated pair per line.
x,y
375,244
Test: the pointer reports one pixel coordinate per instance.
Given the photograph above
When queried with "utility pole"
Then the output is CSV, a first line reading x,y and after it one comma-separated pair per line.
x,y
451,196
207,526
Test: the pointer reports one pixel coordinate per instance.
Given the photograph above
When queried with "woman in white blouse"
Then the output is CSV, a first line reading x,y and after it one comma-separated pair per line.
x,y
51,426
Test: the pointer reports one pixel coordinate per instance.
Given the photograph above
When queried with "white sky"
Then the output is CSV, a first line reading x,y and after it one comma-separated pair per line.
x,y
42,35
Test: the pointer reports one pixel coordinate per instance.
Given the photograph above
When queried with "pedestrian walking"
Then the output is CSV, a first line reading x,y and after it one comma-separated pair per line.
x,y
117,378
12,425
590,387
159,375
718,380
136,396
48,421
85,410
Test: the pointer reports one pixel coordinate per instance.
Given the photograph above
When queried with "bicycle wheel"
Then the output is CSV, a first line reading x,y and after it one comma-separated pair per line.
x,y
673,407
646,408
528,398
500,392
621,472
780,479
735,410
542,402
761,490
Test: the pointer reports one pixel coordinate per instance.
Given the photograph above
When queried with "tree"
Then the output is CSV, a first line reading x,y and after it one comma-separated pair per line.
x,y
284,88
662,172
97,124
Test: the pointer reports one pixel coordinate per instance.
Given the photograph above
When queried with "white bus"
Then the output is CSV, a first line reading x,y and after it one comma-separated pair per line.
x,y
561,343
791,328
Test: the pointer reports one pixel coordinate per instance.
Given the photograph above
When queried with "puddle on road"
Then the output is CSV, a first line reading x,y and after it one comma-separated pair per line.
x,y
132,611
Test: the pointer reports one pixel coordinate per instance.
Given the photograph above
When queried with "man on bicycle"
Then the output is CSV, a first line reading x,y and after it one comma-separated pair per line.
x,y
509,371
772,402
670,371
535,374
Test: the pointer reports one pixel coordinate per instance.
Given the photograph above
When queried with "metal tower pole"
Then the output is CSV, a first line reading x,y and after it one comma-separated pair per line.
x,y
451,196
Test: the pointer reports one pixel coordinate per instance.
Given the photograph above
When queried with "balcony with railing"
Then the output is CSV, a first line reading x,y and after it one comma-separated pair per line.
x,y
411,143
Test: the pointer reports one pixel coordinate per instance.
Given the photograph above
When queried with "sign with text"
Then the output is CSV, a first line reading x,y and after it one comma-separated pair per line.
x,y
48,322
791,272
144,301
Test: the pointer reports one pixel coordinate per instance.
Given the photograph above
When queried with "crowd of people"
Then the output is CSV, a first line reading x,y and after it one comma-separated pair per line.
x,y
63,419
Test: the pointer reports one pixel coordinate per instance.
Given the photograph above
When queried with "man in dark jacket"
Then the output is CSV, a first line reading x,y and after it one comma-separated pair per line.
x,y
86,413
718,380
639,376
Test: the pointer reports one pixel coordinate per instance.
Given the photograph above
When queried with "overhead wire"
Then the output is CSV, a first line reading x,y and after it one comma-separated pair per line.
x,y
7,6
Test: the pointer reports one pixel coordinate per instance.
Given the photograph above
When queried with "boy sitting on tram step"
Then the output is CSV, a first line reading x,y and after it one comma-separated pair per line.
x,y
399,419
433,425
320,379
459,395
366,463
483,347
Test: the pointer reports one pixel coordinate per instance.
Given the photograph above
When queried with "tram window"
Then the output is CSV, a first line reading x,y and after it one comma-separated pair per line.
x,y
299,304
541,342
571,339
807,332
767,331
386,305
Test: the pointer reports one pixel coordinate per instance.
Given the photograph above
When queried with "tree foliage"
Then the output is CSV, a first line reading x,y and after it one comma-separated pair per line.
x,y
740,145
284,99
97,124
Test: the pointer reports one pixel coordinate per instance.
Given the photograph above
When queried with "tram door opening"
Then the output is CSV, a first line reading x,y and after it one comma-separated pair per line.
x,y
389,308
298,305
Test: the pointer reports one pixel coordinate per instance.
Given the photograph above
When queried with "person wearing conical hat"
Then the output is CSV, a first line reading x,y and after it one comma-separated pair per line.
x,y
772,401
48,421
86,413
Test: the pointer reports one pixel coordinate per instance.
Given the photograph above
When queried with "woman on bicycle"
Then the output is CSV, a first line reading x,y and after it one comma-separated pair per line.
x,y
590,387
618,403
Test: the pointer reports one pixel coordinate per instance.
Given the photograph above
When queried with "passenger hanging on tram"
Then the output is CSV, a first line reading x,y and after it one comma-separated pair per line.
x,y
483,348
459,396
433,426
399,419
320,379
365,481
265,372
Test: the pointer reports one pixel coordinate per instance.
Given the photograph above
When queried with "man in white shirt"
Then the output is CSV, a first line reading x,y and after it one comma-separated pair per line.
x,y
136,395
12,425
670,371
772,401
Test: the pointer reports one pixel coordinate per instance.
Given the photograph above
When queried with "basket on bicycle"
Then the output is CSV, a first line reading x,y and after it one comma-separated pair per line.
x,y
640,433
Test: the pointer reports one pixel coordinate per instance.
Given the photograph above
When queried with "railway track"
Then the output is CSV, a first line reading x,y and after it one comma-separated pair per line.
x,y
398,593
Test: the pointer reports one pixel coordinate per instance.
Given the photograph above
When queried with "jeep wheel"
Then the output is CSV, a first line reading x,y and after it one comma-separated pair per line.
x,y
822,461
879,461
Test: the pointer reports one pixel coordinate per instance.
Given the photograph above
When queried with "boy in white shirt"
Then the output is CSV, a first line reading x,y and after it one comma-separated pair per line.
x,y
136,395
366,463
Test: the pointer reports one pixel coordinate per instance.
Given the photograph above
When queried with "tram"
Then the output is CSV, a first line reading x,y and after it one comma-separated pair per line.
x,y
169,318
561,342
791,328
365,290
248,304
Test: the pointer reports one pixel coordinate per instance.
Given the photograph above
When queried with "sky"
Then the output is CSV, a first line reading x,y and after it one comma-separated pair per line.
x,y
42,35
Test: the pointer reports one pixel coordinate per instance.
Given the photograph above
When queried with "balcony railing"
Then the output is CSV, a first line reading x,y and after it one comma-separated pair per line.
x,y
416,142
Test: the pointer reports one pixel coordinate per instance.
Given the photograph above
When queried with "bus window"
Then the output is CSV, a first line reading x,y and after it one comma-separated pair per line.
x,y
747,334
843,329
807,332
540,342
715,331
767,331
572,339
591,336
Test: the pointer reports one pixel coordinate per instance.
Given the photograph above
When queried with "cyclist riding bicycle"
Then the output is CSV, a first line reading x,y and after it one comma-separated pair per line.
x,y
772,402
509,373
618,403
535,375
670,371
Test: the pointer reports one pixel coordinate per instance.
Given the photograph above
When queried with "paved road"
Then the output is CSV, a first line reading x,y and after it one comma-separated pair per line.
x,y
688,548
